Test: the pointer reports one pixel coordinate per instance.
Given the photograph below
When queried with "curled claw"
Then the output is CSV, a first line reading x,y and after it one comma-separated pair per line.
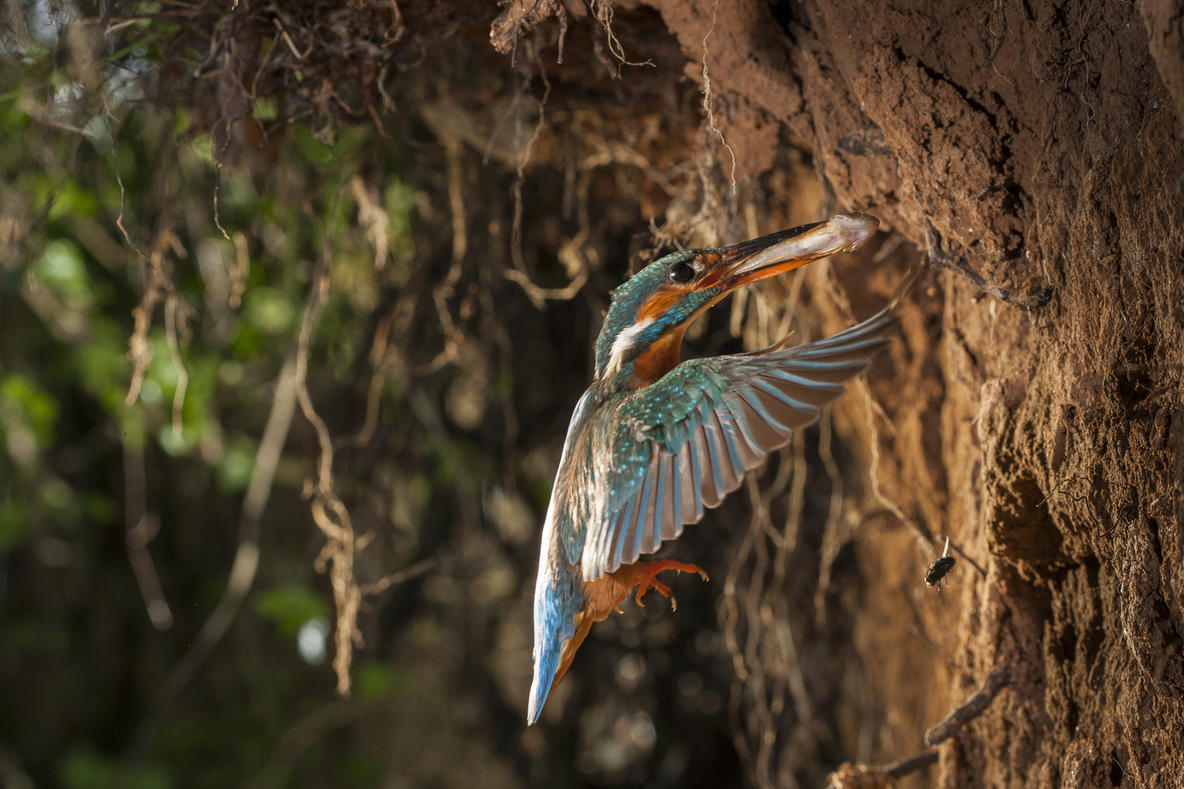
x,y
648,579
657,586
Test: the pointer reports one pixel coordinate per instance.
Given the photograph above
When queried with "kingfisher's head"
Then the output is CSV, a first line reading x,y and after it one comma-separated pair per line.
x,y
651,311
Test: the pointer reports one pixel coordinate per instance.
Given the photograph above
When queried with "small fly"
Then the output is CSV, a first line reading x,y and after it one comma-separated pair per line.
x,y
940,567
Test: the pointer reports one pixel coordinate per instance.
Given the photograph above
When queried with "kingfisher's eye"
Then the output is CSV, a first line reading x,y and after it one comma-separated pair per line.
x,y
681,272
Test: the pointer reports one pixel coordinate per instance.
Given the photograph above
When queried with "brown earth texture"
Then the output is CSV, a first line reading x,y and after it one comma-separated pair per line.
x,y
1032,156
1026,157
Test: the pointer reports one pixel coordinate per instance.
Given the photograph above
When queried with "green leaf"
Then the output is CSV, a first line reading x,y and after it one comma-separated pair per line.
x,y
374,681
266,110
289,607
37,408
269,310
84,767
12,526
174,443
61,269
237,464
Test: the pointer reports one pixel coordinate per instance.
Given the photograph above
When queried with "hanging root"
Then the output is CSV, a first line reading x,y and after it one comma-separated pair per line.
x,y
707,98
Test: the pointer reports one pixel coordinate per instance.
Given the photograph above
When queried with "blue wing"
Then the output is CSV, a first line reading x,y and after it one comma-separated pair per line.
x,y
683,443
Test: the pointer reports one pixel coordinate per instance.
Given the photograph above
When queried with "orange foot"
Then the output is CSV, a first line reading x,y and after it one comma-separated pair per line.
x,y
649,580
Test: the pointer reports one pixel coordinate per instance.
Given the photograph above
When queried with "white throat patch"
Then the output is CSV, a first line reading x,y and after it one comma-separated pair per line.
x,y
621,345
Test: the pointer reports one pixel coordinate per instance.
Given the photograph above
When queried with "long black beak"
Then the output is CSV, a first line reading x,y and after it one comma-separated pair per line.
x,y
776,253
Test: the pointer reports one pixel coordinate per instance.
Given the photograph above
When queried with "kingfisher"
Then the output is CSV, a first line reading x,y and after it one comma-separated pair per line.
x,y
655,441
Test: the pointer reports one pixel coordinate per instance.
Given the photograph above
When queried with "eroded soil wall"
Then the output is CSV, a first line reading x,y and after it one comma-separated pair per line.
x,y
1036,154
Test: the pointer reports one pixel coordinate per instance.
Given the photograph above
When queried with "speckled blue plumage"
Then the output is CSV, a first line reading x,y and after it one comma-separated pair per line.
x,y
638,464
629,421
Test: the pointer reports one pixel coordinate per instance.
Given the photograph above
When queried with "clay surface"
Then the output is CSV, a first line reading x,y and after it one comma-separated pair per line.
x,y
1033,157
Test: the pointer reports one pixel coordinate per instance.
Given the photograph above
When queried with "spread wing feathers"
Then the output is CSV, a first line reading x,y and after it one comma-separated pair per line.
x,y
685,442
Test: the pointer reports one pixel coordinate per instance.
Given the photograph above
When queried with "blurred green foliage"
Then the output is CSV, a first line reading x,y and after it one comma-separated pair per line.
x,y
120,525
76,640
290,607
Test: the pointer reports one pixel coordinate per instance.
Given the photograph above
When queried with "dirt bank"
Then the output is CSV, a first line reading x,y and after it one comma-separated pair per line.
x,y
1034,411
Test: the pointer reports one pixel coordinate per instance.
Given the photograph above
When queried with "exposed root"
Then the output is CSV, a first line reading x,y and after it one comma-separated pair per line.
x,y
864,776
602,10
872,409
218,176
329,513
142,528
539,296
158,286
372,216
244,566
516,224
874,472
446,287
239,271
139,349
707,96
155,283
756,623
175,322
942,259
378,351
971,708
119,181
520,16
834,534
